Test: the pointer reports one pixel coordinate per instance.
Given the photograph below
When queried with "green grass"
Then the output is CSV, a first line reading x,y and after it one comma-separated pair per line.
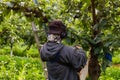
x,y
111,73
19,50
20,68
29,68
116,59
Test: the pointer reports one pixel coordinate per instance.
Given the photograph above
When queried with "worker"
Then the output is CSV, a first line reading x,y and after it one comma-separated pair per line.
x,y
63,62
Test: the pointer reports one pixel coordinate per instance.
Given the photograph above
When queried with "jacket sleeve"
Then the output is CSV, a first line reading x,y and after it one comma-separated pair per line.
x,y
78,59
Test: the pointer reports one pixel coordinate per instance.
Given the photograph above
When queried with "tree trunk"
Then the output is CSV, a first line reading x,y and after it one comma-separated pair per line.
x,y
93,67
11,46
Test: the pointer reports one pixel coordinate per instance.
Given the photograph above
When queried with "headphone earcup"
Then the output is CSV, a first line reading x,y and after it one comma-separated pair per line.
x,y
63,34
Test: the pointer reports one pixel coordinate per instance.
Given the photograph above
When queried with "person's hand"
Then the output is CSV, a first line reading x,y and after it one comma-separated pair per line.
x,y
78,47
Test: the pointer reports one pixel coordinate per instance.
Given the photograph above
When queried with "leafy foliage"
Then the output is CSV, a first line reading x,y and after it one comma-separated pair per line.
x,y
104,37
111,73
17,68
116,59
21,50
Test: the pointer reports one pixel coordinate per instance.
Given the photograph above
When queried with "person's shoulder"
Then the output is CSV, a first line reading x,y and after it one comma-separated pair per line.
x,y
68,47
42,46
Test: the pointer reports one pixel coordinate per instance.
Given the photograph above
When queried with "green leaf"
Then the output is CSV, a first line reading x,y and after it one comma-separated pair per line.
x,y
102,23
91,41
103,67
1,12
35,1
105,63
87,1
107,44
22,3
9,4
97,50
96,26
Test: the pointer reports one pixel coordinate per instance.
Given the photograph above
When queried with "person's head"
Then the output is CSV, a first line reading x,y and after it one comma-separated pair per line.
x,y
56,27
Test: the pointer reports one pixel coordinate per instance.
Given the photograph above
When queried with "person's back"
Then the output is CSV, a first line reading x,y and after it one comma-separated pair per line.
x,y
63,62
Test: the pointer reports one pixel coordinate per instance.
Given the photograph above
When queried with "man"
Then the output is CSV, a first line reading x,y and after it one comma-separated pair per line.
x,y
63,62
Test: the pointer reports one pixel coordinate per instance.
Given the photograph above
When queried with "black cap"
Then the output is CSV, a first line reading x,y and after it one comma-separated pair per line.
x,y
56,27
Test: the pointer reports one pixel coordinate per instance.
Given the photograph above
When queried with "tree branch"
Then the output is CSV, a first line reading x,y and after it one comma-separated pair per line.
x,y
28,11
93,12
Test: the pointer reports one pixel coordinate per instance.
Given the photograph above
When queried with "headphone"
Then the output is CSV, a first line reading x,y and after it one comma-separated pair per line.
x,y
63,34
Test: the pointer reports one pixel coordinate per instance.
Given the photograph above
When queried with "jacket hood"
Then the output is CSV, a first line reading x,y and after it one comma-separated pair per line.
x,y
49,50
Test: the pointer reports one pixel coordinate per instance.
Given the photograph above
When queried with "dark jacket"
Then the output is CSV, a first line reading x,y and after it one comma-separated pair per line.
x,y
63,62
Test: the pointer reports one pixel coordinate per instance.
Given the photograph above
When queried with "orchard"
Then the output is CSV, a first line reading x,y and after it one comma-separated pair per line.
x,y
92,24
